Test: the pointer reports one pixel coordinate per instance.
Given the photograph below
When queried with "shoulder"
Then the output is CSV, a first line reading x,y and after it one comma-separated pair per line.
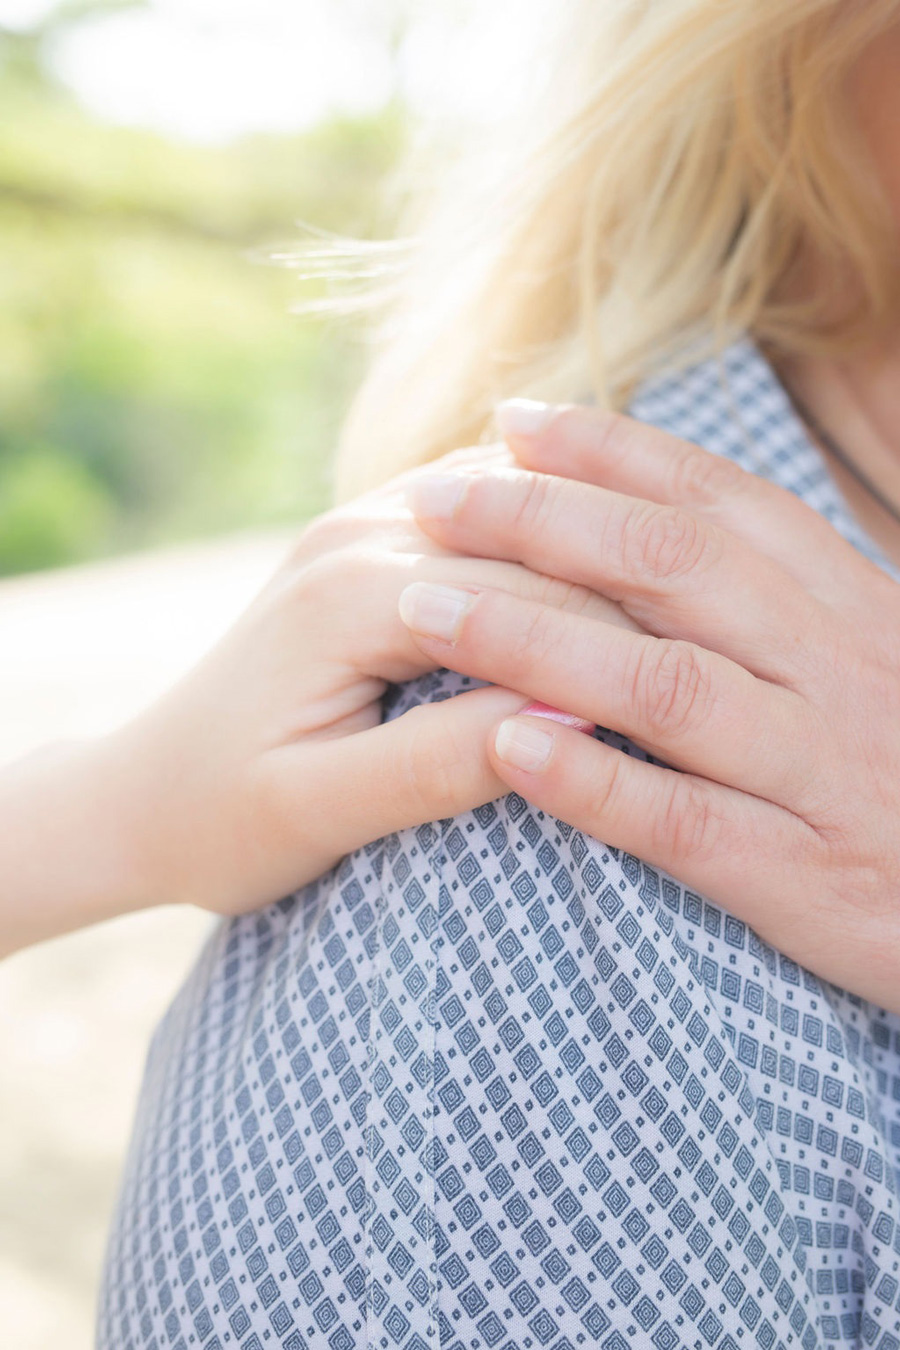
x,y
730,402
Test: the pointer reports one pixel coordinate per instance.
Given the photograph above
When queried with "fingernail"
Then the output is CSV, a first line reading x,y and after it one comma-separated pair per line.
x,y
524,416
523,746
437,495
434,611
557,715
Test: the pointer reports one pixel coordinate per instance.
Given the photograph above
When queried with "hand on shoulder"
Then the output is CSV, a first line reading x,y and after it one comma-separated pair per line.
x,y
762,666
269,760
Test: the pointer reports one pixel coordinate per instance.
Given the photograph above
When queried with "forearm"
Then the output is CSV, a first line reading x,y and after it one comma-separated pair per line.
x,y
68,834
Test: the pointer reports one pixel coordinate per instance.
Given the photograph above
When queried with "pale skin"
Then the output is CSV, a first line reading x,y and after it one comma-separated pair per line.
x,y
268,762
738,638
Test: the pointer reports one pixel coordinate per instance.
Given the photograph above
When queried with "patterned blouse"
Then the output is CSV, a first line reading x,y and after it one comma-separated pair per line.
x,y
492,1084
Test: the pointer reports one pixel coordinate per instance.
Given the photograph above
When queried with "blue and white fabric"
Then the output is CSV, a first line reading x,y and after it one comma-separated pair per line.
x,y
492,1084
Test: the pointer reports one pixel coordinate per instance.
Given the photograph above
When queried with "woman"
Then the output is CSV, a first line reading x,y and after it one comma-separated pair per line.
x,y
491,1081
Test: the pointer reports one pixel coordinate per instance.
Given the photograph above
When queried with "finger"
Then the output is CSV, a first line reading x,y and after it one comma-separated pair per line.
x,y
691,707
611,450
729,846
352,598
427,764
384,511
674,574
496,454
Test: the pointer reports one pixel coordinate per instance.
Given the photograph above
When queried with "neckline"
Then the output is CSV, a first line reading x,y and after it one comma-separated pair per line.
x,y
780,444
843,517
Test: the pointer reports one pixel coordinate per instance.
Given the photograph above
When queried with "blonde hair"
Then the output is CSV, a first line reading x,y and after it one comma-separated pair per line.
x,y
648,205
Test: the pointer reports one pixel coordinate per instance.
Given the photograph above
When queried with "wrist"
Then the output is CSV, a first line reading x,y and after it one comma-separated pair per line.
x,y
71,851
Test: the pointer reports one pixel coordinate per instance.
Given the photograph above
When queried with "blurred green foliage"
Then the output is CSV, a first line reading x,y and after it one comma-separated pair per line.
x,y
153,384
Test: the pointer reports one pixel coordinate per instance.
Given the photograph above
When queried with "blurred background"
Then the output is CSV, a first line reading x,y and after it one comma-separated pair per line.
x,y
166,424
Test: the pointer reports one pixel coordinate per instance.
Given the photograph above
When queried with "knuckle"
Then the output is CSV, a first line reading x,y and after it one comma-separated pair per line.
x,y
330,577
687,828
609,791
613,435
671,688
530,644
703,479
820,630
316,538
425,777
570,596
660,544
335,571
532,504
323,534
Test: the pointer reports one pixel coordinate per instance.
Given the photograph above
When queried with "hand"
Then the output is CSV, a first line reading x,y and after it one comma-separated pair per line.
x,y
767,675
268,761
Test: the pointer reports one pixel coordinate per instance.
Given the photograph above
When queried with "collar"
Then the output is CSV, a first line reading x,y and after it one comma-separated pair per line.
x,y
732,403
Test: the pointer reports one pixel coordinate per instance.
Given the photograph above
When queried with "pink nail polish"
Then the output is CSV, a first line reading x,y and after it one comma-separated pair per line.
x,y
537,709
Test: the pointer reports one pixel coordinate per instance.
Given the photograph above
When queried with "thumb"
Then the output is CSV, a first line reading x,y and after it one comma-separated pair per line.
x,y
427,764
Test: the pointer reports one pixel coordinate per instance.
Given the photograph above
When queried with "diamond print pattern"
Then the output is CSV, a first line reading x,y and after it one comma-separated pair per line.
x,y
491,1083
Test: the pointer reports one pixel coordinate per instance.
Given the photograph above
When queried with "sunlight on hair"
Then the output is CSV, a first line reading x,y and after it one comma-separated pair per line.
x,y
644,204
